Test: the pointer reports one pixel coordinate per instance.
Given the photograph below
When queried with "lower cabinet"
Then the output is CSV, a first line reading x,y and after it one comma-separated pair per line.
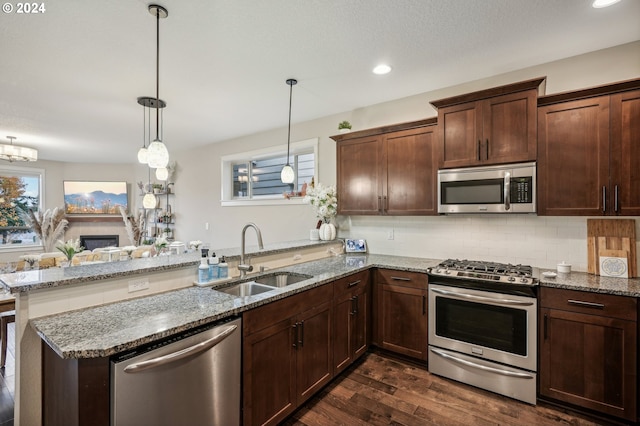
x,y
287,354
351,325
401,312
587,347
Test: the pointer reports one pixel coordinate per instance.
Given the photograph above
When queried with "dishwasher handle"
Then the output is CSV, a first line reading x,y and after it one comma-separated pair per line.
x,y
181,354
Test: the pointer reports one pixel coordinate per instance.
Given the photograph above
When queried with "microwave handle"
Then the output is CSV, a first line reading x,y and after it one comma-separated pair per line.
x,y
507,191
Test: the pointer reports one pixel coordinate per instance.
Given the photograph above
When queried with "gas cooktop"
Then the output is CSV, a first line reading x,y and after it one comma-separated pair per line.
x,y
486,271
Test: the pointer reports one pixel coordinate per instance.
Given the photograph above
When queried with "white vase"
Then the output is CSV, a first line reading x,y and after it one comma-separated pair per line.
x,y
327,232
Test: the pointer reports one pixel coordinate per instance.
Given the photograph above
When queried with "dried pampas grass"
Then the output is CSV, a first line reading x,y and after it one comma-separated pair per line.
x,y
134,227
48,225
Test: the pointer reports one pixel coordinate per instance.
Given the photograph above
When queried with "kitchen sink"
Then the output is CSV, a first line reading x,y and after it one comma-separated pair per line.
x,y
246,289
282,279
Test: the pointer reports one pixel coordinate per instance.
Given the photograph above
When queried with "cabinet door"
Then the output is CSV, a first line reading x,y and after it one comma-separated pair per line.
x,y
589,360
360,176
269,373
403,320
573,157
360,321
625,153
411,172
314,354
342,332
509,128
460,130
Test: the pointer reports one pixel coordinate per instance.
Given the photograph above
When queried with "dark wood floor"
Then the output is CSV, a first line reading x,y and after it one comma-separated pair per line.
x,y
384,391
7,380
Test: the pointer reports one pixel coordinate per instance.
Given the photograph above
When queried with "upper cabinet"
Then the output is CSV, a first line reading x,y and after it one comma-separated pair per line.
x,y
589,152
389,170
491,126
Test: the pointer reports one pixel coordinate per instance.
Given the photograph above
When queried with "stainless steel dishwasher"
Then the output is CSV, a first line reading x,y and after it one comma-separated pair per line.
x,y
193,379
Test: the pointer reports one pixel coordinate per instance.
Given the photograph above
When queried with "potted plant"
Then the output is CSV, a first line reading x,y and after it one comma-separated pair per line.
x,y
157,188
344,127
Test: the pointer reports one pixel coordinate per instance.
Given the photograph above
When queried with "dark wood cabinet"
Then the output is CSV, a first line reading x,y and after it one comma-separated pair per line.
x,y
588,152
287,354
492,126
392,173
587,349
401,312
352,319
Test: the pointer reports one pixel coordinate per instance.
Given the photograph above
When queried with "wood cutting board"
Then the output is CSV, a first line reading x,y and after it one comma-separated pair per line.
x,y
606,237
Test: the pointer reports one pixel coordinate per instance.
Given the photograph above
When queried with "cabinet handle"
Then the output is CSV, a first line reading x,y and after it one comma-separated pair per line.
x,y
586,304
355,305
400,279
380,204
487,149
352,311
615,198
604,199
479,149
294,328
546,322
301,341
355,283
386,203
424,304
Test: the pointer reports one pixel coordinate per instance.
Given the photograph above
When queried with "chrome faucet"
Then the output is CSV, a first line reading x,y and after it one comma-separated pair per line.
x,y
242,267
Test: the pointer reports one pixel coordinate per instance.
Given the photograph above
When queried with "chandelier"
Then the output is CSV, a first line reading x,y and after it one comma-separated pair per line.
x,y
11,152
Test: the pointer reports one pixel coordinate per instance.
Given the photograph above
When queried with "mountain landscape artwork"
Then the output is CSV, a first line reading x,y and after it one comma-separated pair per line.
x,y
103,198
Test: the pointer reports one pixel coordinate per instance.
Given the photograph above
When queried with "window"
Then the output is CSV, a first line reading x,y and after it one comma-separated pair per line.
x,y
254,177
20,190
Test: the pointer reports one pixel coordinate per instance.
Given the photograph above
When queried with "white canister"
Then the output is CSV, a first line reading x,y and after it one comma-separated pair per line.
x,y
564,267
314,235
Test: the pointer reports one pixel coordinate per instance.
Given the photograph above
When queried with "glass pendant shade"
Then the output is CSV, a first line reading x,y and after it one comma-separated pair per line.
x,y
149,201
287,175
158,155
143,155
162,173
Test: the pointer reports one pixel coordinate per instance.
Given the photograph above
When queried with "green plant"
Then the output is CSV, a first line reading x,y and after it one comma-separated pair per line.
x,y
157,186
344,125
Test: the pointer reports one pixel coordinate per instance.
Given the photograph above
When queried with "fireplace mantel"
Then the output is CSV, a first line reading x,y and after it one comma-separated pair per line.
x,y
74,218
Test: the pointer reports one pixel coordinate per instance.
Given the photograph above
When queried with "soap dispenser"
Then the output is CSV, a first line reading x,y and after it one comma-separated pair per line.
x,y
213,267
203,271
223,268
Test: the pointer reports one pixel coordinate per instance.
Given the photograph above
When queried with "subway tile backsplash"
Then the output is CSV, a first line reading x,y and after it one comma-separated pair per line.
x,y
527,239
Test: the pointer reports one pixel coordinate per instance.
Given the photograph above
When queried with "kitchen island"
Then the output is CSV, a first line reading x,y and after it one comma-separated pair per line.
x,y
109,328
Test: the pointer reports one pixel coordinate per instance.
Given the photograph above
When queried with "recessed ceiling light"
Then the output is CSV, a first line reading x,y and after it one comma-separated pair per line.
x,y
382,69
603,3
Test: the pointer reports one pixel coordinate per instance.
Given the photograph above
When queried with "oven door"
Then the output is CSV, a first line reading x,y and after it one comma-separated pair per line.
x,y
492,326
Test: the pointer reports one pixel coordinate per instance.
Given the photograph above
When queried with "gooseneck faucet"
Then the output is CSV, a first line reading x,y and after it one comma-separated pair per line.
x,y
242,267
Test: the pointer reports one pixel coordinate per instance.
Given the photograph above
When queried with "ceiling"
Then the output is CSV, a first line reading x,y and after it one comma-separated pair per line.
x,y
71,75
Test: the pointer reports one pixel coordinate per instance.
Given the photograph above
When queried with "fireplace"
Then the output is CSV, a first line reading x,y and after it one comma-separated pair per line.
x,y
90,242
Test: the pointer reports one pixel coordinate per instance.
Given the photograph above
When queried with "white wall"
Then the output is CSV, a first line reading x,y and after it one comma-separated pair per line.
x,y
541,241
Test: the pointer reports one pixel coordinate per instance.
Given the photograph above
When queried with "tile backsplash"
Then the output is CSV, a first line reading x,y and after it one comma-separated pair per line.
x,y
527,239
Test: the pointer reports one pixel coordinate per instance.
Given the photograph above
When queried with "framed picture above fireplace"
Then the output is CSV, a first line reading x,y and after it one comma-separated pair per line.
x,y
94,198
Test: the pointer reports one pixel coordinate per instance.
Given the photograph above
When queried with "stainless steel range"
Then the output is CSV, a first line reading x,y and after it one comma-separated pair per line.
x,y
482,326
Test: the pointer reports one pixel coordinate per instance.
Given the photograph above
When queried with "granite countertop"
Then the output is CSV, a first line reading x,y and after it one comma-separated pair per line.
x,y
108,329
55,277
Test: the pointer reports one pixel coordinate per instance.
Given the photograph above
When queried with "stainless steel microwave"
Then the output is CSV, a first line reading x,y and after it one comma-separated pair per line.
x,y
505,188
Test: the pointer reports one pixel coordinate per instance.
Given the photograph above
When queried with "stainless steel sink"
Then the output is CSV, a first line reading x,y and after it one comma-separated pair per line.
x,y
246,289
282,279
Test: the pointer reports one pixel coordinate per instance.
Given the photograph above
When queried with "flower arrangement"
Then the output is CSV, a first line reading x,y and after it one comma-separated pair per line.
x,y
160,243
195,244
324,201
70,248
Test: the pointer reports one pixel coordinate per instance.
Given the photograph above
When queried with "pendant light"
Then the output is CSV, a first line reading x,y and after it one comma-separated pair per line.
x,y
149,200
287,174
11,152
158,155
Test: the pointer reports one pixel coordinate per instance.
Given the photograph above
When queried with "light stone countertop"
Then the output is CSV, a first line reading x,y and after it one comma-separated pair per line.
x,y
106,330
56,277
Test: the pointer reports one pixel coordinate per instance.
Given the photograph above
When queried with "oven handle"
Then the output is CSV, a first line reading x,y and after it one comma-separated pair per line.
x,y
482,367
481,298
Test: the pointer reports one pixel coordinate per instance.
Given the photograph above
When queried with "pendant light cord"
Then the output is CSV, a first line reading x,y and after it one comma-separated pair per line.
x,y
157,73
290,82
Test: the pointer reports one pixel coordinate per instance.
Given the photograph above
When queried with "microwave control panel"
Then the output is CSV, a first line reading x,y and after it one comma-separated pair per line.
x,y
521,190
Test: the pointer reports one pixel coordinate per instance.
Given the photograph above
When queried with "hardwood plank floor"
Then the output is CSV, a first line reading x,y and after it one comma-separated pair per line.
x,y
384,391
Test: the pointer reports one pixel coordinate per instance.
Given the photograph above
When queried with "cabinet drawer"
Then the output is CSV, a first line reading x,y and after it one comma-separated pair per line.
x,y
402,278
352,282
607,305
279,310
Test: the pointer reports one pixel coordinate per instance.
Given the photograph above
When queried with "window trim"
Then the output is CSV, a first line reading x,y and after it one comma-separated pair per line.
x,y
26,170
227,161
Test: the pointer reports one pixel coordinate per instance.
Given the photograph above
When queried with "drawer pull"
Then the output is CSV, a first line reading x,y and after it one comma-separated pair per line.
x,y
586,304
355,283
400,279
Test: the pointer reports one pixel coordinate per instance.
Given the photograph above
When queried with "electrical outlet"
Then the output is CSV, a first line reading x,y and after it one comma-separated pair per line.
x,y
206,226
138,284
390,234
